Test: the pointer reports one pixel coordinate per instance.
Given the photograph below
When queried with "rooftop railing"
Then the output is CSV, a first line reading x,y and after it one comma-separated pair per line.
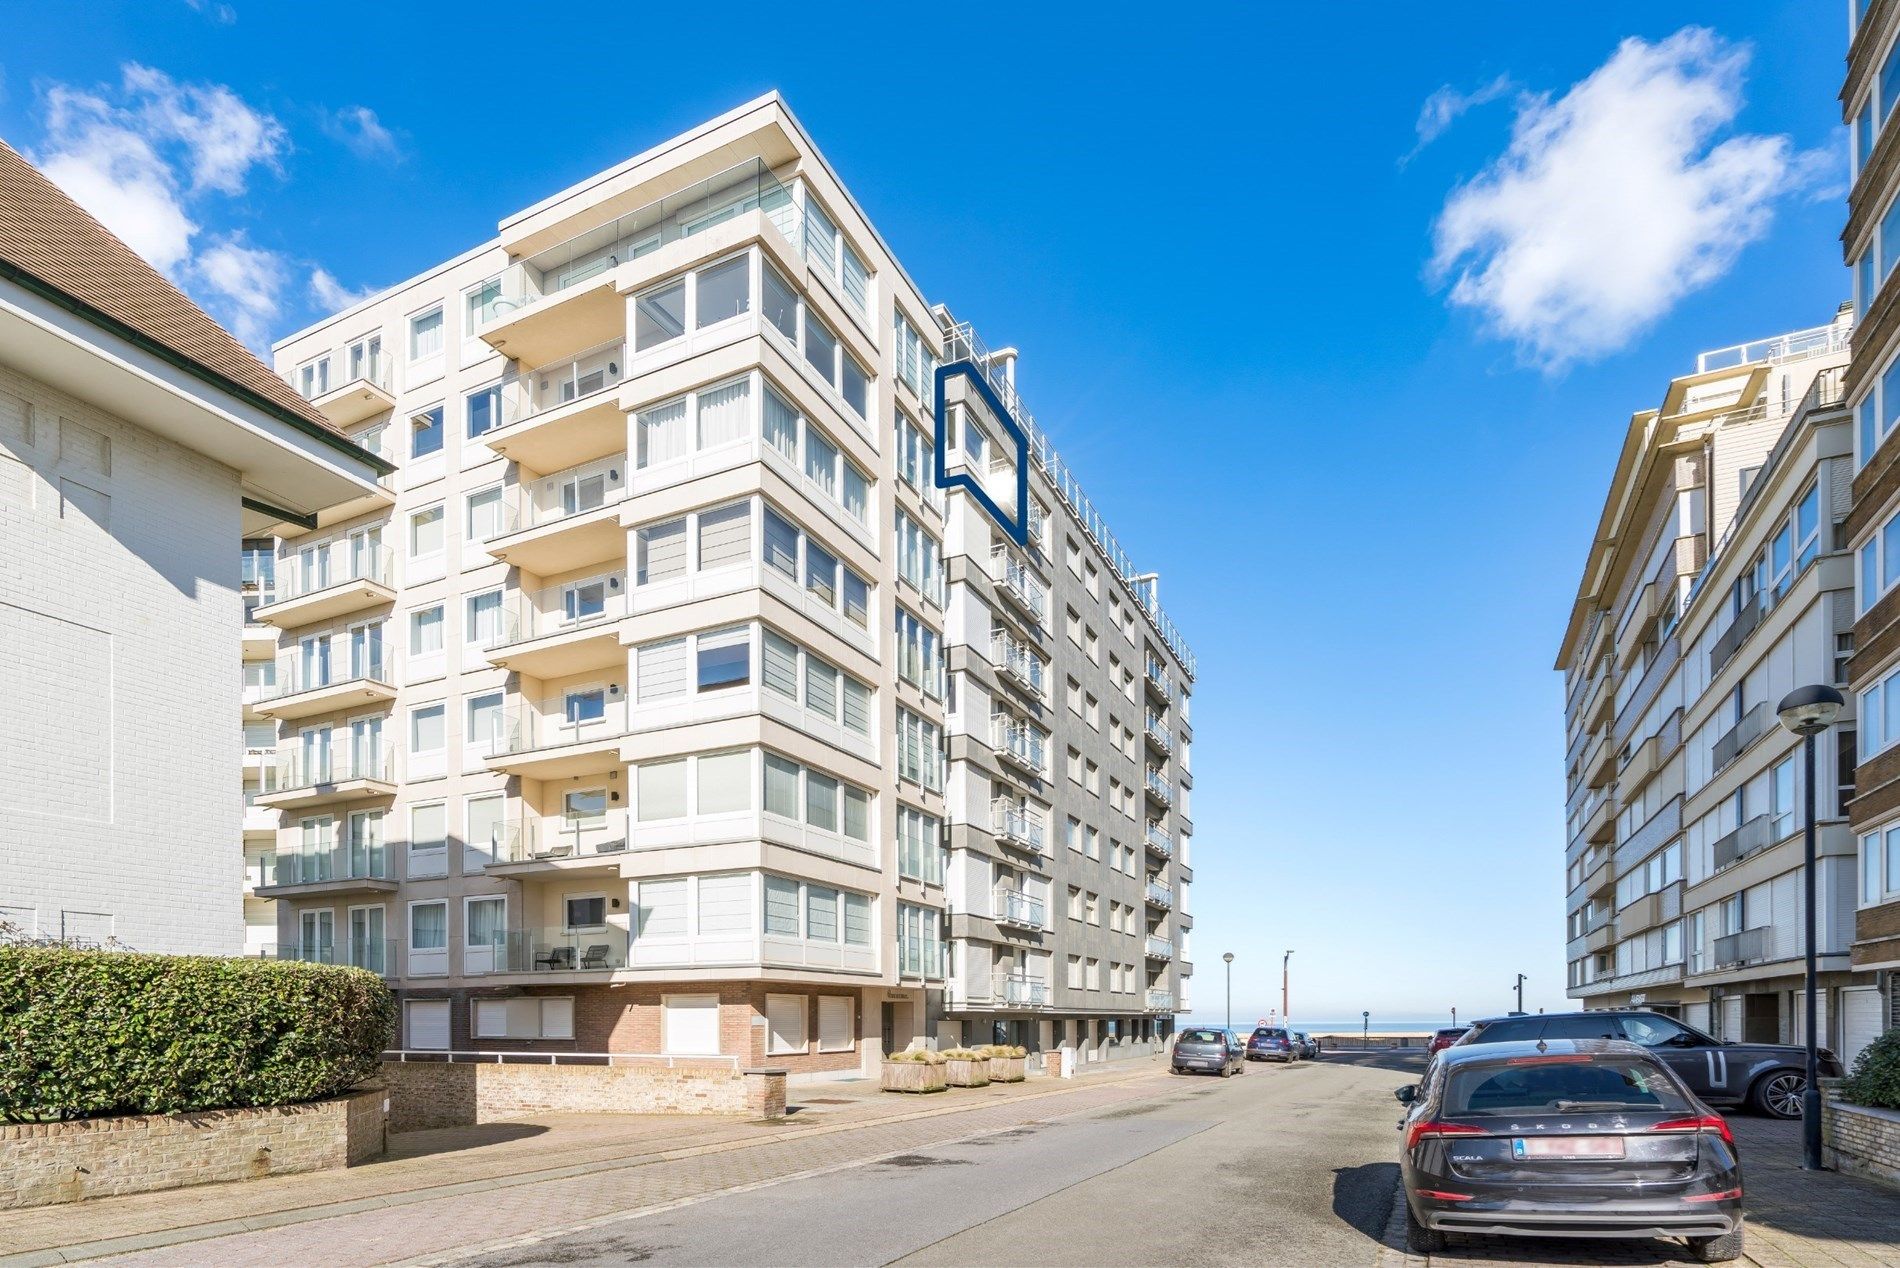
x,y
1794,346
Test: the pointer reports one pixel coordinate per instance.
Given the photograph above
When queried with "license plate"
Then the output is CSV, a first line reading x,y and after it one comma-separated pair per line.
x,y
1567,1147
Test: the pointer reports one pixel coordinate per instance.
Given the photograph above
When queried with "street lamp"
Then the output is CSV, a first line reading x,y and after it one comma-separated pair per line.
x,y
1286,1008
1228,958
1808,711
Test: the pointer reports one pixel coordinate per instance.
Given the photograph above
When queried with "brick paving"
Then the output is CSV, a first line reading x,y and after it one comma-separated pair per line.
x,y
1796,1219
431,1204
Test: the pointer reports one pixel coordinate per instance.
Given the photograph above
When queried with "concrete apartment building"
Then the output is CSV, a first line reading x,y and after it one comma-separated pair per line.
x,y
663,704
139,444
1871,243
1720,578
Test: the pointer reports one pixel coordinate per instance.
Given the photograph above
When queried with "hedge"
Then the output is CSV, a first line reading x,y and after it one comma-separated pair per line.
x,y
1875,1081
88,1033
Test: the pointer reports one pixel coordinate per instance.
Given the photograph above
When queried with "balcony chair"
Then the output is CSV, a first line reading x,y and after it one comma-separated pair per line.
x,y
556,958
596,957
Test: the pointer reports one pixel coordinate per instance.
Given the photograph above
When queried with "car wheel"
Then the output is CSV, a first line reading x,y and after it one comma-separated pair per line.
x,y
1420,1240
1778,1094
1717,1250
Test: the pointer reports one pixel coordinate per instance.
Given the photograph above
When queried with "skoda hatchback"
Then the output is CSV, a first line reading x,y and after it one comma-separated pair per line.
x,y
1567,1138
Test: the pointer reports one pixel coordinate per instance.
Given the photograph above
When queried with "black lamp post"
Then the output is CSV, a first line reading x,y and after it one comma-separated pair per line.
x,y
1228,958
1808,711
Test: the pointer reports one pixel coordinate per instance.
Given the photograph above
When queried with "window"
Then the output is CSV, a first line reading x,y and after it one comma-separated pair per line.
x,y
425,631
780,302
1880,715
661,552
785,1023
725,658
484,514
313,379
724,782
425,334
429,926
919,750
483,410
724,291
919,558
919,941
425,533
480,304
659,316
835,1017
827,804
689,1024
919,846
482,624
425,433
725,536
661,790
485,722
426,729
587,911
919,654
523,1017
781,907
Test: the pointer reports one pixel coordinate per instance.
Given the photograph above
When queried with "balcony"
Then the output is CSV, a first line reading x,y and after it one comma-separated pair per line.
x,y
1013,907
1019,744
343,869
1745,947
1159,842
1157,786
1645,913
1020,990
564,521
297,778
1160,949
1155,678
564,413
1744,841
1159,895
1020,588
1156,731
1737,633
553,951
1746,731
563,630
1160,1001
1018,826
574,734
556,844
1600,827
331,580
1019,664
361,398
564,297
1643,761
309,686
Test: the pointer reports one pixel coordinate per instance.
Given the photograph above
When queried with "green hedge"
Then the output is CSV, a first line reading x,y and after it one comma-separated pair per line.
x,y
1875,1080
87,1033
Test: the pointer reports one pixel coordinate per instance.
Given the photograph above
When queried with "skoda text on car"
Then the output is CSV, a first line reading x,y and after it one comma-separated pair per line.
x,y
1271,1043
1207,1050
1566,1138
1769,1077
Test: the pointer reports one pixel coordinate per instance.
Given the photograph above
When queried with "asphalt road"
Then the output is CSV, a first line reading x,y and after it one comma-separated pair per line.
x,y
1280,1165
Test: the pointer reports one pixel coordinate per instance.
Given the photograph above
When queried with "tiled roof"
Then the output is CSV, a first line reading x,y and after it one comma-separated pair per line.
x,y
48,236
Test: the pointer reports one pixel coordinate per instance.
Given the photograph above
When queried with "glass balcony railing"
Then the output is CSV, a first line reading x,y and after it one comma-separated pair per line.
x,y
315,569
1160,895
314,672
1017,908
378,955
1159,841
1018,661
1020,990
1157,731
564,494
1020,825
1160,1001
1019,742
550,387
1018,582
1160,949
559,721
546,950
558,609
288,770
368,861
543,839
1158,787
748,186
1155,674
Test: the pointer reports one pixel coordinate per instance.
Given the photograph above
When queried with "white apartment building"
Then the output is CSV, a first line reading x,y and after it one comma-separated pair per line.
x,y
622,720
139,443
1719,582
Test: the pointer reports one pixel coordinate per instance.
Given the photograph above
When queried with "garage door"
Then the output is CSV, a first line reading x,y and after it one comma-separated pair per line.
x,y
689,1025
428,1023
1731,1019
1860,1020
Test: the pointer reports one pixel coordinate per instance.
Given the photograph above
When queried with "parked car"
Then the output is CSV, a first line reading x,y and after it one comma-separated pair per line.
x,y
1308,1048
1770,1077
1271,1043
1566,1138
1205,1049
1445,1037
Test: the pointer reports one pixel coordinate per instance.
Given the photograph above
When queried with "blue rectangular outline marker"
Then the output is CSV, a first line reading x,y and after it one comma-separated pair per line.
x,y
1016,526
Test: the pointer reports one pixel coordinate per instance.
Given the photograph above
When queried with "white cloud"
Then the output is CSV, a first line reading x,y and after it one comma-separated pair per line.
x,y
1443,108
331,295
222,137
222,14
248,284
116,173
359,130
1611,202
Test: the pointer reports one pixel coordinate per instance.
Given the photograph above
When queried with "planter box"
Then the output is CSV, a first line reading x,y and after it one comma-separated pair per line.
x,y
967,1073
1009,1069
1862,1141
913,1076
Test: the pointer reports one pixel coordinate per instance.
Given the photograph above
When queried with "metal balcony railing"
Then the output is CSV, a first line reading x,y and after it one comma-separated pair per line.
x,y
1738,737
1019,825
1740,948
1744,841
1156,729
1017,908
1158,787
1020,743
1160,895
1737,633
1155,674
290,769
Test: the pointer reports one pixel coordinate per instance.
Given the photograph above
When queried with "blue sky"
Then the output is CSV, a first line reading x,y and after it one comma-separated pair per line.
x,y
1367,483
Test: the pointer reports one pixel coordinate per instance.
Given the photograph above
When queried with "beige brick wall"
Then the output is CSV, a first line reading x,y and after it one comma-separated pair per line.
x,y
439,1094
1862,1141
46,1163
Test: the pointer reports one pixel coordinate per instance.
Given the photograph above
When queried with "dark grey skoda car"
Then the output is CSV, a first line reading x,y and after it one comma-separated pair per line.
x,y
1566,1138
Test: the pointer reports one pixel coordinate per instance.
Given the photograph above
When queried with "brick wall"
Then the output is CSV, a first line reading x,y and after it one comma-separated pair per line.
x,y
438,1094
1862,1141
46,1163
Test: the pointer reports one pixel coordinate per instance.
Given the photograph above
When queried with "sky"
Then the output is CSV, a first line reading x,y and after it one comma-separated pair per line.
x,y
1339,319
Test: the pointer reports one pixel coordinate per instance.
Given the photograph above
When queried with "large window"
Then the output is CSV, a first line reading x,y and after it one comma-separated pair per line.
x,y
916,460
919,941
425,334
702,784
919,750
1879,563
724,536
696,300
816,800
920,847
796,675
916,367
425,433
919,654
1879,865
919,558
816,343
483,410
1880,715
791,552
816,913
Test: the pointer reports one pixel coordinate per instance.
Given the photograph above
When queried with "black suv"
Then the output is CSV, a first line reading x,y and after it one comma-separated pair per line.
x,y
1768,1076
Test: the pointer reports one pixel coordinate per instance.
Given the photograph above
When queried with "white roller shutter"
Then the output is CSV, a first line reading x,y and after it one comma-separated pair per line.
x,y
1731,1019
428,1023
785,1024
1799,1027
834,1023
557,1018
1860,1021
690,1025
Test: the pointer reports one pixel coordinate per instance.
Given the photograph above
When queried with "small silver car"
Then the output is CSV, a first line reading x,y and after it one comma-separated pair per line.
x,y
1206,1050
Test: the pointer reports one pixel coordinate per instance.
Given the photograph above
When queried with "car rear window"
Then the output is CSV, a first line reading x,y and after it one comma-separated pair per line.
x,y
1200,1036
1266,1032
1592,1026
1452,1032
1530,1084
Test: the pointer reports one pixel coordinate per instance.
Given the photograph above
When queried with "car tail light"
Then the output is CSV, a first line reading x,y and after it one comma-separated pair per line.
x,y
1703,1123
1421,1131
1442,1196
1723,1196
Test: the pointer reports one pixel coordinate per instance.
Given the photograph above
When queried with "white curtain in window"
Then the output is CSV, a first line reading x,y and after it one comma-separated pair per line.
x,y
662,912
725,536
484,821
857,493
781,425
662,790
725,782
662,552
781,907
724,412
429,926
781,665
661,432
660,672
821,462
725,905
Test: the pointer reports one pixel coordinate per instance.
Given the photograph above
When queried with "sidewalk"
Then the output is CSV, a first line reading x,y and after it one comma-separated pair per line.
x,y
1795,1219
450,1188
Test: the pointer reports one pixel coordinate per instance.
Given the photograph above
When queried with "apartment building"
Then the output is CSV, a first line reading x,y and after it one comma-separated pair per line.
x,y
629,719
1871,244
1720,578
139,444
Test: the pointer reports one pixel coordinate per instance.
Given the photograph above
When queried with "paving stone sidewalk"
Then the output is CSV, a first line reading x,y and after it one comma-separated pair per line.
x,y
449,1192
1796,1219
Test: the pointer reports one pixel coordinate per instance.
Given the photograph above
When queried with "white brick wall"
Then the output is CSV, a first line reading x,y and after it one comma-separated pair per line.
x,y
119,619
